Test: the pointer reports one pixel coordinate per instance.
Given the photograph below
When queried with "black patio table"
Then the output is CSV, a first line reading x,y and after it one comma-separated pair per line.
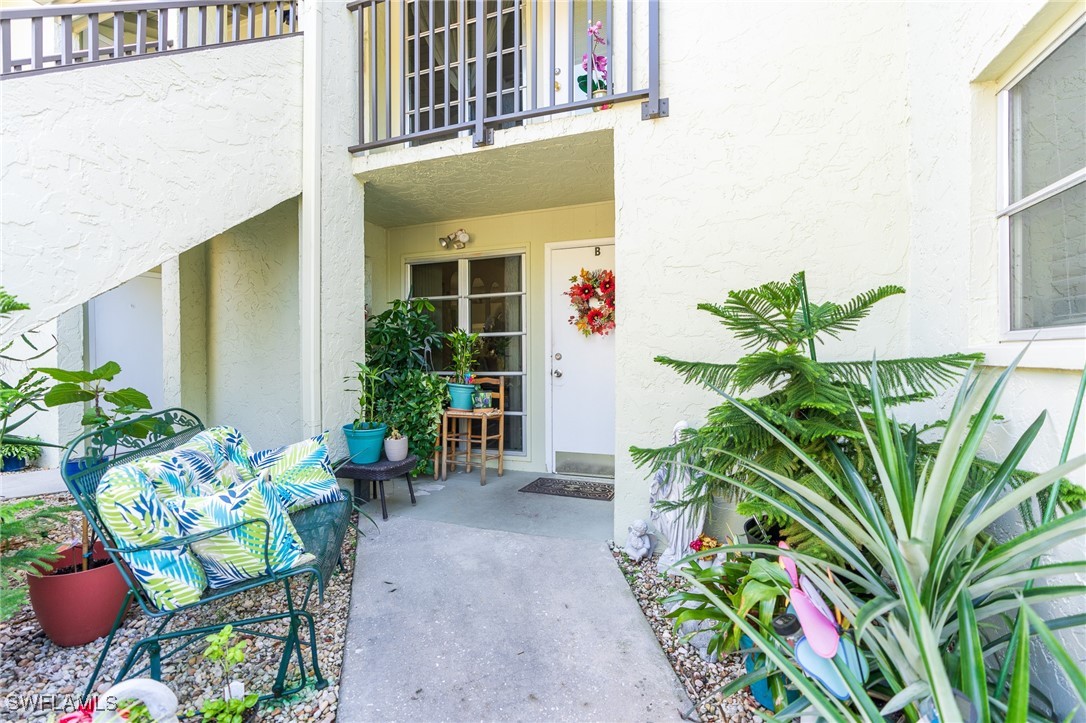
x,y
378,473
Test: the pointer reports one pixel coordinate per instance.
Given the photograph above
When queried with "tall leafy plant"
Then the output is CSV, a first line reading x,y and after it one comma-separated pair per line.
x,y
923,584
808,399
412,402
25,548
465,348
21,399
403,337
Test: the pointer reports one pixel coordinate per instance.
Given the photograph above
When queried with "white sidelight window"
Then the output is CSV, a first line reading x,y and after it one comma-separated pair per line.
x,y
1042,204
486,296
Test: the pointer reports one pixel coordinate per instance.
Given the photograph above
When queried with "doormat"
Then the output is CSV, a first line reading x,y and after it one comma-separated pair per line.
x,y
572,488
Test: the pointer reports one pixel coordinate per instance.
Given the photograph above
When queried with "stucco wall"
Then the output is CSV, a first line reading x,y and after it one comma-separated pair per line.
x,y
513,233
953,81
252,329
108,171
785,151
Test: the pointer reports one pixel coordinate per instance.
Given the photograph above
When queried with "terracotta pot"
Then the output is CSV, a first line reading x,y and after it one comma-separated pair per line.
x,y
78,607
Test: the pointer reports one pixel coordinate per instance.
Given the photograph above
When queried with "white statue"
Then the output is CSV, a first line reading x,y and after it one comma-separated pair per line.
x,y
160,701
639,541
679,526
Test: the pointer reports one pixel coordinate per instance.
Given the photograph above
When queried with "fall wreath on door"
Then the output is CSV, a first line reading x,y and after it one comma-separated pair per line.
x,y
592,296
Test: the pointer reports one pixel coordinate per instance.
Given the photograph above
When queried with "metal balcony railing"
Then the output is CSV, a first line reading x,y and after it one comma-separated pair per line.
x,y
52,37
430,69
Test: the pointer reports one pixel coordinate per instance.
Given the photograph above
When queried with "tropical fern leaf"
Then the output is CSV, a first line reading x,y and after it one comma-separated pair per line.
x,y
706,374
906,375
832,319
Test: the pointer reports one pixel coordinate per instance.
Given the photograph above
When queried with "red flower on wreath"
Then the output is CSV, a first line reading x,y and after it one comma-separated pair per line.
x,y
592,296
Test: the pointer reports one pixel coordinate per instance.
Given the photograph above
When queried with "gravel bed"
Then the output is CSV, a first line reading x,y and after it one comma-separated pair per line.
x,y
31,665
701,678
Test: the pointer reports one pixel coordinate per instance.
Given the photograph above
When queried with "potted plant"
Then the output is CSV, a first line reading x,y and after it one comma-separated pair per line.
x,y
18,452
412,402
595,67
366,433
395,446
464,348
83,570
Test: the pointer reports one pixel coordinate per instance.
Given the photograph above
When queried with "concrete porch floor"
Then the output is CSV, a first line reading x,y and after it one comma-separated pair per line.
x,y
483,603
497,505
457,623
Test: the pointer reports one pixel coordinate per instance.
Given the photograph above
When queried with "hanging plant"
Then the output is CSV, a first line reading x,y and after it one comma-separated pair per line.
x,y
592,295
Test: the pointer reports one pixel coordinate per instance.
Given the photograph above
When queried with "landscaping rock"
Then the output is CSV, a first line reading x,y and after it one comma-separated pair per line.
x,y
701,677
31,665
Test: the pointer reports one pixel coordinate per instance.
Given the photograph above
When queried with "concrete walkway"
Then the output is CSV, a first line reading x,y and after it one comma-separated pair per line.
x,y
31,482
453,623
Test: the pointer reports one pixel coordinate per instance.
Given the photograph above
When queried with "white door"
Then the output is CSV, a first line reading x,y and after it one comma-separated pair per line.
x,y
125,326
581,372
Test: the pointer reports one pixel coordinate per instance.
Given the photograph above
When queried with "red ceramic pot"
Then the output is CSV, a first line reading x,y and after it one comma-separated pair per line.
x,y
77,607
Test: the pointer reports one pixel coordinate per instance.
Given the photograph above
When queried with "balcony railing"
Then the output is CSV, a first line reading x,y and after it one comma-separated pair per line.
x,y
51,37
430,69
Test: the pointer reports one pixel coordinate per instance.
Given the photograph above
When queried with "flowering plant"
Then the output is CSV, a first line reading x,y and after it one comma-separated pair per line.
x,y
594,65
592,295
705,542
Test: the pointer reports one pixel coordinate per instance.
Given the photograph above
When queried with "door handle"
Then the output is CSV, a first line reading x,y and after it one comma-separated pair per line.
x,y
557,373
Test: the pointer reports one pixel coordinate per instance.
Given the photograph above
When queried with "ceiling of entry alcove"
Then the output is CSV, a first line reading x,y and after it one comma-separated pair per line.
x,y
556,172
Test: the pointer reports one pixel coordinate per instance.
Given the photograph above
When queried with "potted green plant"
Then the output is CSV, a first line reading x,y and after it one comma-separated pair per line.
x,y
395,446
464,348
366,433
412,402
84,571
18,452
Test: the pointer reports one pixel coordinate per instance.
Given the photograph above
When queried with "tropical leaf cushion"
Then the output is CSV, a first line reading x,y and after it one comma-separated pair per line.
x,y
132,510
301,473
238,555
230,452
180,472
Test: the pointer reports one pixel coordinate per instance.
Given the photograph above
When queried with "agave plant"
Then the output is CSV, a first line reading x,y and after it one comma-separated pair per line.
x,y
923,586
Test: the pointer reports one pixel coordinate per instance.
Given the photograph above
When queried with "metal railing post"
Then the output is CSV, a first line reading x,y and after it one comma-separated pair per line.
x,y
482,136
655,106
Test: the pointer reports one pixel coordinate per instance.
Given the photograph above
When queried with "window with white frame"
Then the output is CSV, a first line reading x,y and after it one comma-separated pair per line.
x,y
483,295
1042,214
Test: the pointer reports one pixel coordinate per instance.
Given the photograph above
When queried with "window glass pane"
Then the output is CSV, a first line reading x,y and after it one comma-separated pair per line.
x,y
1048,262
438,279
514,394
514,433
495,276
1048,119
500,354
500,313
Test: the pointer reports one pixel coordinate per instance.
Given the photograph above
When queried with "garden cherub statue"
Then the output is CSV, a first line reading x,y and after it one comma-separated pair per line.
x,y
639,541
678,525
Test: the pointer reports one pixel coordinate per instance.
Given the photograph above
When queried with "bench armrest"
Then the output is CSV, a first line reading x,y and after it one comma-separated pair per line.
x,y
186,540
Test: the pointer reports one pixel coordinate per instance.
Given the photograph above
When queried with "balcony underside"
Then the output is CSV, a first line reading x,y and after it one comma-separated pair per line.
x,y
565,171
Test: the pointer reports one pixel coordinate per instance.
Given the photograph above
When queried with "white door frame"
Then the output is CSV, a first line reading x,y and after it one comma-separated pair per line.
x,y
548,365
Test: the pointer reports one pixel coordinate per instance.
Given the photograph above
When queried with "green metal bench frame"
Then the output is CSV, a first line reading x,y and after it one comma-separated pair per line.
x,y
321,528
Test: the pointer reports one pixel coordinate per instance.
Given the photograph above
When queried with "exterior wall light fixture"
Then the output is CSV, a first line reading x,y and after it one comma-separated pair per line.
x,y
458,239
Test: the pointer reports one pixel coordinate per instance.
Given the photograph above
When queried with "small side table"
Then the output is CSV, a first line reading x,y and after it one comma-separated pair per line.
x,y
379,472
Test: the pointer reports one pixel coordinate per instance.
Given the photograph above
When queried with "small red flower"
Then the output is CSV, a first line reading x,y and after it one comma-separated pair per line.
x,y
607,286
696,545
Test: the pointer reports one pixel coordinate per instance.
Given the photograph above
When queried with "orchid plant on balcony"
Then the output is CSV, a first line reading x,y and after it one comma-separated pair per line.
x,y
595,66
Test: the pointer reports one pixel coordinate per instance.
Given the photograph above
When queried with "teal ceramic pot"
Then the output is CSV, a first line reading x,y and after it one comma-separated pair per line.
x,y
364,445
461,396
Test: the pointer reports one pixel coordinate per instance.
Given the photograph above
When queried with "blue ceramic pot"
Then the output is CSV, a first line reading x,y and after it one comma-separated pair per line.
x,y
461,396
364,445
12,464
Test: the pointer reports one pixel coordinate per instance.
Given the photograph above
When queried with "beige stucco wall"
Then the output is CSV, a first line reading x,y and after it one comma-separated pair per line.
x,y
252,328
525,233
108,171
